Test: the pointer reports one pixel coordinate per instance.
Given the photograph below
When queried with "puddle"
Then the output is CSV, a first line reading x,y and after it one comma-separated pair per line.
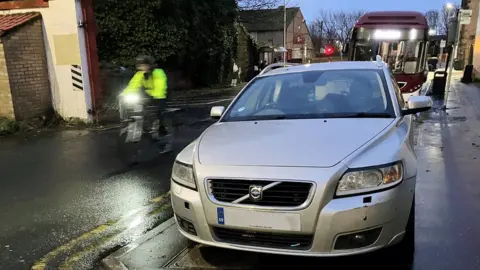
x,y
457,118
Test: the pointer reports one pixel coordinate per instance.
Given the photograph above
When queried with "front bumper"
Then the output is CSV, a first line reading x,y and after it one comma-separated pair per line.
x,y
386,211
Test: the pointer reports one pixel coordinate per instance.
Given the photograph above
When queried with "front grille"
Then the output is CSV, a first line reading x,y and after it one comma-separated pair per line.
x,y
285,194
263,239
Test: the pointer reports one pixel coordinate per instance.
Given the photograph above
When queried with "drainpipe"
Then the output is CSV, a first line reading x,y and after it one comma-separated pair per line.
x,y
90,33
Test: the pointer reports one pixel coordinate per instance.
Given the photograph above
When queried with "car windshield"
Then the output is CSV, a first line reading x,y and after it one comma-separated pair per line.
x,y
314,94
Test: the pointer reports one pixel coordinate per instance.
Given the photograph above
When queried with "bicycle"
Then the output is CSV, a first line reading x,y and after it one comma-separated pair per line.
x,y
134,143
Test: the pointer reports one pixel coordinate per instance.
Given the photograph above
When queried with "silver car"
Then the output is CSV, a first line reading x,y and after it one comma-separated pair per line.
x,y
310,160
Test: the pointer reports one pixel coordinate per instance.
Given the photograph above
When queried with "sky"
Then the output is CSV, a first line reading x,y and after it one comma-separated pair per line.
x,y
310,8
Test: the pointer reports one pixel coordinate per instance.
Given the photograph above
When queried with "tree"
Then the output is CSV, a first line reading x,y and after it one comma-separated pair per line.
x,y
333,27
445,15
316,33
433,19
187,35
257,4
344,22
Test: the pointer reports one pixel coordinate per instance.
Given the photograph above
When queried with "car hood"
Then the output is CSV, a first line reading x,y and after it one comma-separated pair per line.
x,y
295,143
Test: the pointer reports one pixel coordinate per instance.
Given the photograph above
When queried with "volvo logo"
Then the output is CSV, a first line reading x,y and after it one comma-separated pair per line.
x,y
256,193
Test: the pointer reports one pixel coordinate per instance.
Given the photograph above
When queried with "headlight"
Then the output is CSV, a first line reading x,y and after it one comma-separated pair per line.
x,y
183,174
131,98
361,181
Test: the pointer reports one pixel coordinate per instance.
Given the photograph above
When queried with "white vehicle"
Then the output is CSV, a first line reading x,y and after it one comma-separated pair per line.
x,y
324,168
275,66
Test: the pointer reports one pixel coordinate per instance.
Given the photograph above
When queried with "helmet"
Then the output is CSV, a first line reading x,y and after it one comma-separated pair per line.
x,y
144,60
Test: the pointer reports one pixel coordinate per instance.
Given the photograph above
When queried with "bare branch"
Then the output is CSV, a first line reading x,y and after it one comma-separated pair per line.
x,y
433,19
257,4
445,15
331,27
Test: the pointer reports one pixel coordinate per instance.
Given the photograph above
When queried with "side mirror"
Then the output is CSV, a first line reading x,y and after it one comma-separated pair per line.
x,y
418,104
217,112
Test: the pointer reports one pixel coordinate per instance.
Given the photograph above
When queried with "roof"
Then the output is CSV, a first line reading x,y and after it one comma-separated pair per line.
x,y
393,18
266,19
324,66
10,21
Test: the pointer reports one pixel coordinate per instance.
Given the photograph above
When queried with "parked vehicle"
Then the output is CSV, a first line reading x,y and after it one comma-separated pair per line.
x,y
325,167
275,66
401,38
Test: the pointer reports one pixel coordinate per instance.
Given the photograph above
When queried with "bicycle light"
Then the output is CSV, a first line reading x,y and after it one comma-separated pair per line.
x,y
131,98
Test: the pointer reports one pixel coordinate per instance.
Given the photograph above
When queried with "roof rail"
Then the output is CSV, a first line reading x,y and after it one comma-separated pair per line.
x,y
379,61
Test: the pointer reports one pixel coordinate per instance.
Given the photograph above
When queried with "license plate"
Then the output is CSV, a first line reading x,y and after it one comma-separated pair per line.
x,y
258,220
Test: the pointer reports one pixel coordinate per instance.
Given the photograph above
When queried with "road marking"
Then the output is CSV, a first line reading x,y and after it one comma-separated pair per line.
x,y
68,264
43,262
159,198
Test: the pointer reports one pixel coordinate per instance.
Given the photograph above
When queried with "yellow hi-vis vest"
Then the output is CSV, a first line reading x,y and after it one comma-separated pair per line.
x,y
155,85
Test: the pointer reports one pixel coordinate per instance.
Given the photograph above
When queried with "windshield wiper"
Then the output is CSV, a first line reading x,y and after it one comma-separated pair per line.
x,y
257,118
361,115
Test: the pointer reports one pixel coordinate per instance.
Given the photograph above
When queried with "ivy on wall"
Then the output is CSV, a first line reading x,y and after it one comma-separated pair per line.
x,y
197,37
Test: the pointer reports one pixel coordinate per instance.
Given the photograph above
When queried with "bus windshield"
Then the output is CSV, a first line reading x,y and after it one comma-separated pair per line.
x,y
402,56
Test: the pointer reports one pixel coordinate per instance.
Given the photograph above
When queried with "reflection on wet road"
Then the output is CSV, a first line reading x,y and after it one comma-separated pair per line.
x,y
59,187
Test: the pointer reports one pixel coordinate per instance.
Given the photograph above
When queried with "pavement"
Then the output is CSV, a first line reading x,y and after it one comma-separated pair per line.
x,y
447,205
67,200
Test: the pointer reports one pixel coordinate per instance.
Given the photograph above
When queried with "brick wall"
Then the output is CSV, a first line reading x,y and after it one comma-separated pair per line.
x,y
6,105
467,34
28,71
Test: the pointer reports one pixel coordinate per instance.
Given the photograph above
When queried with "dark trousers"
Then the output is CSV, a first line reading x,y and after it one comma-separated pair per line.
x,y
154,110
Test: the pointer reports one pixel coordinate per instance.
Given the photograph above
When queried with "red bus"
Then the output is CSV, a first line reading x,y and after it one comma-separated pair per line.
x,y
400,38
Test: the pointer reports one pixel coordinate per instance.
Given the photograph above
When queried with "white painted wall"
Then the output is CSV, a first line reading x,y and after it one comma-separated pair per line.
x,y
61,18
476,49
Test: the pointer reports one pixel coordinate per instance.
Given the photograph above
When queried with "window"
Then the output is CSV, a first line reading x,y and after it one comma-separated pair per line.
x,y
22,4
405,56
314,94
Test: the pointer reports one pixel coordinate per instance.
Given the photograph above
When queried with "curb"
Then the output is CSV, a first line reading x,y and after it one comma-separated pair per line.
x,y
113,261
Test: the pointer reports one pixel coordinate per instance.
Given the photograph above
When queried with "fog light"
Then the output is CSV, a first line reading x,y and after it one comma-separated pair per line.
x,y
358,239
186,226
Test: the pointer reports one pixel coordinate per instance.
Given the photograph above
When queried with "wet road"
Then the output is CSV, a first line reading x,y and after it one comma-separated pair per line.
x,y
66,198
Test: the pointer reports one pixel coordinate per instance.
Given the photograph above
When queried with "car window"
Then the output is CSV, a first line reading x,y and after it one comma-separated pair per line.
x,y
313,94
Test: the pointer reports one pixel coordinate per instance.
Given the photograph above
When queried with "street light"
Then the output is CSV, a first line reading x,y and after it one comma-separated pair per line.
x,y
450,7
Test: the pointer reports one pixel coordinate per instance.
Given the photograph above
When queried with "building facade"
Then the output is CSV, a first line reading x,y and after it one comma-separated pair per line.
x,y
267,28
468,32
71,63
